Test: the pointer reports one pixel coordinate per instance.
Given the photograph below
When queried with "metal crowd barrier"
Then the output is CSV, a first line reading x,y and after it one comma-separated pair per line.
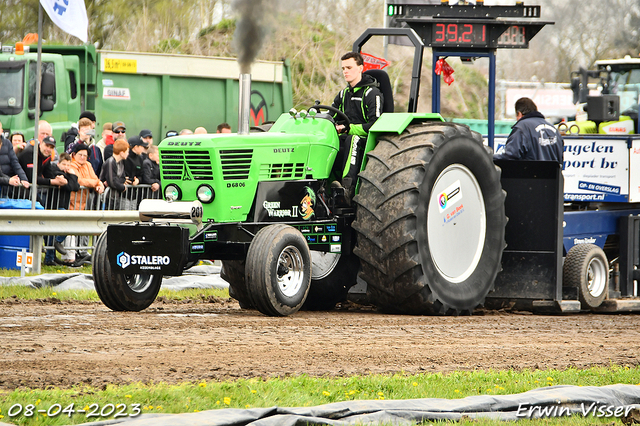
x,y
56,198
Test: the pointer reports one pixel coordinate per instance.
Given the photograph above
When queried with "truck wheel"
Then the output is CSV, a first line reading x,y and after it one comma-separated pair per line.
x,y
233,273
430,220
332,275
120,292
278,270
586,268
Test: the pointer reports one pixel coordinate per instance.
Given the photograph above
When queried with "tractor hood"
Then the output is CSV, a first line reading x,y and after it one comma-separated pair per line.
x,y
232,165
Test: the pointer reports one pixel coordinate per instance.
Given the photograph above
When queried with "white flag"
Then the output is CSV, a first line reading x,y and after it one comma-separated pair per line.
x,y
69,15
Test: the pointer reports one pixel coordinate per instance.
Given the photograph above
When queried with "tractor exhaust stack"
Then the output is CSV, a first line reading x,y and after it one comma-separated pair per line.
x,y
244,105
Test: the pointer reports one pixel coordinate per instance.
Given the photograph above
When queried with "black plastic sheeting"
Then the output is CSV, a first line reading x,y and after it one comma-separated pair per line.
x,y
202,276
612,401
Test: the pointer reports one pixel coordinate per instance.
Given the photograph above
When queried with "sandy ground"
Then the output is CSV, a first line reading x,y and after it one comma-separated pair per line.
x,y
47,343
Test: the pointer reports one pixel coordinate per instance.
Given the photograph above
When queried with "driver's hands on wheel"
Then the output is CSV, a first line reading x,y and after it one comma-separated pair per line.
x,y
342,128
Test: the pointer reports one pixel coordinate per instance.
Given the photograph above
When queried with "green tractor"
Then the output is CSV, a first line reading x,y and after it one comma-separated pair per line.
x,y
425,230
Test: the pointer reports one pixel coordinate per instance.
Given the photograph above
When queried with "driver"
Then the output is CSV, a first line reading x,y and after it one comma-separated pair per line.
x,y
361,101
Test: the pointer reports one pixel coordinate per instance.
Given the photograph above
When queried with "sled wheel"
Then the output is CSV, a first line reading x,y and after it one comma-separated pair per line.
x,y
332,275
586,268
120,292
430,220
278,270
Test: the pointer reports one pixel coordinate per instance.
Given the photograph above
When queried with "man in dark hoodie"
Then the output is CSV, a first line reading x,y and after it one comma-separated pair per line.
x,y
45,149
361,101
532,137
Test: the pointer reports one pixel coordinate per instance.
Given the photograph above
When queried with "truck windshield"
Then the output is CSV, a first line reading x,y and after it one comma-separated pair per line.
x,y
11,87
626,84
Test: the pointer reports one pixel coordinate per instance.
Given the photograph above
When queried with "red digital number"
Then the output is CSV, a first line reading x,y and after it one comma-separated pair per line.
x,y
452,32
466,33
439,32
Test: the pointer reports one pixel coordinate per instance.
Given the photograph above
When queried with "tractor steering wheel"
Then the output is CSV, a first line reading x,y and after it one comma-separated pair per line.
x,y
342,117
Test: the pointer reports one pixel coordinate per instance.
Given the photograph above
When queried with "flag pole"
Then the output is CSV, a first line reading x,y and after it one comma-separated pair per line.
x,y
36,240
36,148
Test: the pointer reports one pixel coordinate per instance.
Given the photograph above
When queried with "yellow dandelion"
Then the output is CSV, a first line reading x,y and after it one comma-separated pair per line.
x,y
247,406
38,401
1,416
550,379
86,408
352,392
197,411
159,407
382,397
218,402
326,393
254,391
202,385
54,294
415,383
456,391
127,396
489,390
226,400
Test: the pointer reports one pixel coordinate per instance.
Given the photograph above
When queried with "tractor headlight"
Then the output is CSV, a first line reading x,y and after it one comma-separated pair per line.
x,y
205,194
172,193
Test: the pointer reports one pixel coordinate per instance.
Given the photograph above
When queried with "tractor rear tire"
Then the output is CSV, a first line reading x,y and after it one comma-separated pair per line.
x,y
120,292
332,275
586,268
278,270
233,272
430,221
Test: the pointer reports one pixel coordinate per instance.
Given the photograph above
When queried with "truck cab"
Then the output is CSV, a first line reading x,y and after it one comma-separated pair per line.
x,y
60,100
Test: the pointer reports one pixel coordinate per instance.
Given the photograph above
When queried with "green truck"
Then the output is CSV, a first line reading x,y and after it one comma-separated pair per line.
x,y
152,91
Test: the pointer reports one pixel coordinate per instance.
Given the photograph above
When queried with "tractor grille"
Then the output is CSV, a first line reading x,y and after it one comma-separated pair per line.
x,y
236,163
280,171
186,165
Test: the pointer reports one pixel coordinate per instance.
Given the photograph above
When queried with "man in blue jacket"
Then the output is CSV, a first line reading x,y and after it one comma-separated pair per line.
x,y
532,137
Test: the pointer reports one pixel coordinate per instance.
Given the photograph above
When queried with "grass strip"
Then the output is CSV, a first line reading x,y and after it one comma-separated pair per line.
x,y
305,391
21,292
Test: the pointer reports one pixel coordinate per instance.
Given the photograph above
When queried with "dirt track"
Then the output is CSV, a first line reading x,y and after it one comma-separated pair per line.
x,y
46,343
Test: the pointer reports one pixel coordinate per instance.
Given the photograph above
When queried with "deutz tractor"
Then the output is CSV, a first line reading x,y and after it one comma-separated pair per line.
x,y
425,230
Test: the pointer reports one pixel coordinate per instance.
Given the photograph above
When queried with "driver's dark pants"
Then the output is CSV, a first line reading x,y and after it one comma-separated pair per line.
x,y
349,158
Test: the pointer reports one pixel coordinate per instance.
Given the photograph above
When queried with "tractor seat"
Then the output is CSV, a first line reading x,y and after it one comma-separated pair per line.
x,y
385,88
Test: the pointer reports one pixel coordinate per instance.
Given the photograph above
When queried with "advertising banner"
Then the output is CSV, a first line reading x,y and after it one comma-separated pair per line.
x,y
596,169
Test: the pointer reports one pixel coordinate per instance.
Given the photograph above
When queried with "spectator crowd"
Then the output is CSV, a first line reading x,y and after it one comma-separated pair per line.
x,y
112,173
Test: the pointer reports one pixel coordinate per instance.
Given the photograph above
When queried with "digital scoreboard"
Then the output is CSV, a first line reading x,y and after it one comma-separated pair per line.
x,y
469,26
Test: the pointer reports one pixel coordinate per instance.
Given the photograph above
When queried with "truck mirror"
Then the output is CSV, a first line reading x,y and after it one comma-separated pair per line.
x,y
575,88
48,84
46,105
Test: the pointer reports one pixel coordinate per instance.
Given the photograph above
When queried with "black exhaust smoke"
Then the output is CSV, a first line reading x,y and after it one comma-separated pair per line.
x,y
251,29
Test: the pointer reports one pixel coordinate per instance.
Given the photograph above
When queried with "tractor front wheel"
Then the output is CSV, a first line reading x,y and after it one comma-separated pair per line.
x,y
278,270
121,292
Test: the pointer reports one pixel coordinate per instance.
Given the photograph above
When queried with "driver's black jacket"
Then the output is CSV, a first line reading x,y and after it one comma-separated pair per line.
x,y
361,104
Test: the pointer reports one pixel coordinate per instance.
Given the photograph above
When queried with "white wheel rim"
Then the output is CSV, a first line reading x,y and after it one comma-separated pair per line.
x,y
456,223
597,273
290,271
322,264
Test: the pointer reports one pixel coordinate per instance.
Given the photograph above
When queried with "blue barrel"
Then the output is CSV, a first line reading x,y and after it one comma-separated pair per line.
x,y
10,245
